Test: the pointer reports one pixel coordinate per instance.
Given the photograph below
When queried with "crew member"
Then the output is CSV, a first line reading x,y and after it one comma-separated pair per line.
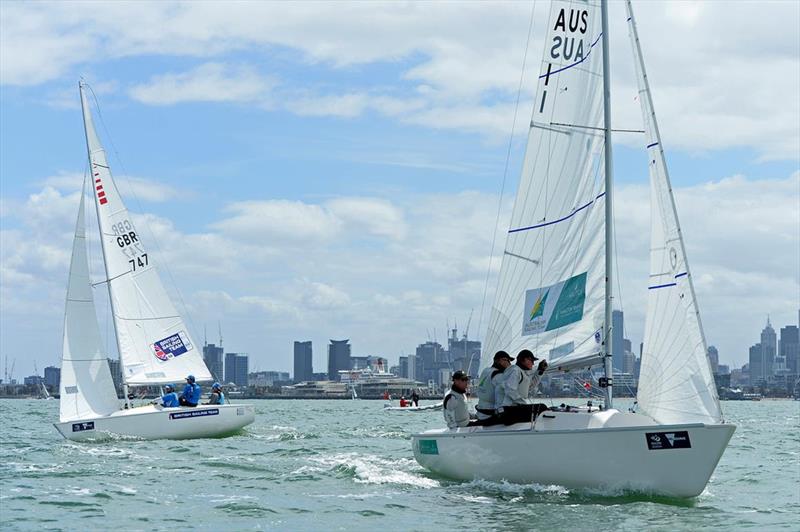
x,y
454,406
217,397
403,402
191,392
415,398
519,387
490,389
170,398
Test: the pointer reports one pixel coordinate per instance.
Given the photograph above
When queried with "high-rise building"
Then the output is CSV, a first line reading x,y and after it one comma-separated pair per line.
x,y
713,358
338,358
617,339
303,362
212,355
755,365
464,354
403,367
789,348
52,377
628,363
236,368
431,359
769,344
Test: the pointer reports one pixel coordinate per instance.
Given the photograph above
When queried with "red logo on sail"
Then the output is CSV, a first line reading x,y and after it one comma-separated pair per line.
x,y
160,354
98,185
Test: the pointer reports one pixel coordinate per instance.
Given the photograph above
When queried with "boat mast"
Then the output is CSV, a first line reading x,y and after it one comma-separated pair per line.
x,y
85,108
607,336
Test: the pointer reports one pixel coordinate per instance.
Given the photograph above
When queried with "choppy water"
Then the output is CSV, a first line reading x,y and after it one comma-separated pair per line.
x,y
344,465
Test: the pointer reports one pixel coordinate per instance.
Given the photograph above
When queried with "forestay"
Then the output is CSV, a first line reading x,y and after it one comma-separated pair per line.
x,y
87,389
676,384
154,342
550,294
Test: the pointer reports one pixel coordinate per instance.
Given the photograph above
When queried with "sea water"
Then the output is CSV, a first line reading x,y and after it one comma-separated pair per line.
x,y
348,465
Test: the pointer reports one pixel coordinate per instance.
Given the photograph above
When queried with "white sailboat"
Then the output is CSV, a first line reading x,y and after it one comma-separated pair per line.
x,y
154,343
555,292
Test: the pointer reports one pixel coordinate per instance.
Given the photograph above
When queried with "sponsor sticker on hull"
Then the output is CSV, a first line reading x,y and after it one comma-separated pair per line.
x,y
80,427
195,413
428,447
668,440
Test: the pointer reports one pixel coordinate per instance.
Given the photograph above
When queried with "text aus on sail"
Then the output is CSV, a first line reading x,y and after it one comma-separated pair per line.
x,y
569,32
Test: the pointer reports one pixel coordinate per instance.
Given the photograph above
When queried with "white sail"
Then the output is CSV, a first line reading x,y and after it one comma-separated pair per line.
x,y
87,389
550,294
154,343
675,384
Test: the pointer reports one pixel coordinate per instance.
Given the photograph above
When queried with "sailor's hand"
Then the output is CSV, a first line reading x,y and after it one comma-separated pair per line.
x,y
542,367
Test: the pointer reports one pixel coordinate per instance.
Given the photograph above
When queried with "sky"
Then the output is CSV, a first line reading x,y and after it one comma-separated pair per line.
x,y
308,171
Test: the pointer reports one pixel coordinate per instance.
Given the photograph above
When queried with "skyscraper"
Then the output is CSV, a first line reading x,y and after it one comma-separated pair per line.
x,y
236,368
789,348
338,358
303,362
769,345
212,355
52,377
755,364
713,358
617,339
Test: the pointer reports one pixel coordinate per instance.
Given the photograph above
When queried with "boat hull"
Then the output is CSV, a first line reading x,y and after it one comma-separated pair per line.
x,y
647,458
154,422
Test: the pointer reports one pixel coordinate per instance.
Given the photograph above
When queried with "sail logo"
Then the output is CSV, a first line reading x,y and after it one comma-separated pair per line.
x,y
555,306
538,307
668,440
98,186
172,346
570,45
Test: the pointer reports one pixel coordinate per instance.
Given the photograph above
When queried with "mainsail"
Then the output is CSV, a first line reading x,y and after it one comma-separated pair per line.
x,y
87,389
154,343
550,294
675,383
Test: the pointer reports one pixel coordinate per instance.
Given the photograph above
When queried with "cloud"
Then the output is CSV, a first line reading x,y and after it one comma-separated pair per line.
x,y
279,270
209,82
136,188
452,67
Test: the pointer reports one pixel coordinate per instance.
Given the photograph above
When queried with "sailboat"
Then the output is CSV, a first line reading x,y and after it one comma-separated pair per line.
x,y
153,341
554,297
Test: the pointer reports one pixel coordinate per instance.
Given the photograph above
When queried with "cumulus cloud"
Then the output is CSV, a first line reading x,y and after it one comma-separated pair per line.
x,y
457,67
136,188
324,282
209,82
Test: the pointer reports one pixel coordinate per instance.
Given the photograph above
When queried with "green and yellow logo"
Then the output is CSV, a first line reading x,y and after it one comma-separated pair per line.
x,y
538,307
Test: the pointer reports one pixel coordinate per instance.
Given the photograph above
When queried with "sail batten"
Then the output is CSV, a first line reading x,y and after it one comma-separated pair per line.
x,y
676,384
154,343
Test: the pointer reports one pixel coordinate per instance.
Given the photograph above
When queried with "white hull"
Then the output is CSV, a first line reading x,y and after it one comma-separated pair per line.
x,y
600,450
155,422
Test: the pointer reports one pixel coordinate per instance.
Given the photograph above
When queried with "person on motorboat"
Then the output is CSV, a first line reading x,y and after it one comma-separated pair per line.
x,y
191,392
454,406
519,388
169,399
415,398
217,397
490,389
403,402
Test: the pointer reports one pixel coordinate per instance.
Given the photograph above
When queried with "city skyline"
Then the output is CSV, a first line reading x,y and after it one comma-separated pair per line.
x,y
312,181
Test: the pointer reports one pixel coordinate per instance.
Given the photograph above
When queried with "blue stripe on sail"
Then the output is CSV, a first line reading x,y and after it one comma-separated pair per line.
x,y
651,145
661,286
567,217
585,57
681,274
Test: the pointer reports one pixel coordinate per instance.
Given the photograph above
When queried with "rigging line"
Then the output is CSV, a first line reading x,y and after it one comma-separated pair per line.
x,y
505,169
132,190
